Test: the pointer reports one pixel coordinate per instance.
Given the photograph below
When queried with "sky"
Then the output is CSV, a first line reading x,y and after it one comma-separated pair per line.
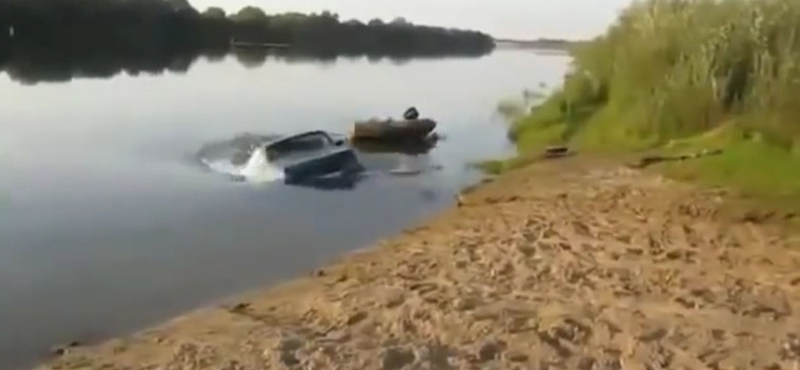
x,y
523,19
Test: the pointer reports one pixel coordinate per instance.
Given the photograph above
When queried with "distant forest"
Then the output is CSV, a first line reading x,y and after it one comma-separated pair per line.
x,y
543,43
103,36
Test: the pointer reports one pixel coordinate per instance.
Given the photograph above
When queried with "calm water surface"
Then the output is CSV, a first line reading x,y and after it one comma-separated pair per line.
x,y
108,223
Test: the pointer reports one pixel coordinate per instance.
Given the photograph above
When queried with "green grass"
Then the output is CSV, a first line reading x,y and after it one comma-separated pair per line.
x,y
750,162
678,76
498,166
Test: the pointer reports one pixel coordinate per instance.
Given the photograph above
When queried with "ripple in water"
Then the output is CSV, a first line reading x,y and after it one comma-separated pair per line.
x,y
242,158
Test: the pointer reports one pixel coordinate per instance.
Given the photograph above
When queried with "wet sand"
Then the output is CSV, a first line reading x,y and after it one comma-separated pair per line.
x,y
561,265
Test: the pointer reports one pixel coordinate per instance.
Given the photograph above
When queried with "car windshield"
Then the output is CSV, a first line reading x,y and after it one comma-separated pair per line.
x,y
304,143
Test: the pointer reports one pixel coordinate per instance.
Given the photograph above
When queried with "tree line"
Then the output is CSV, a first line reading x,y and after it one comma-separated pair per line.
x,y
56,40
140,27
541,43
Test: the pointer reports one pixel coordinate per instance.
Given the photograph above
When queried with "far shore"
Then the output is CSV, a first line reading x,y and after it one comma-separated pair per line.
x,y
538,44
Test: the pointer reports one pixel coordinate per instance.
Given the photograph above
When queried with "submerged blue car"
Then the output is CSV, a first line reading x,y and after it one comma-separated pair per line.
x,y
311,155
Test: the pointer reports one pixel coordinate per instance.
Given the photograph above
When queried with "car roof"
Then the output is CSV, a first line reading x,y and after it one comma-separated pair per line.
x,y
298,136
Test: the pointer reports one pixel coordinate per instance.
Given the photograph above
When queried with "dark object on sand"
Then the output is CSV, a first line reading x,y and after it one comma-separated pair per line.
x,y
311,155
64,349
556,152
391,130
653,159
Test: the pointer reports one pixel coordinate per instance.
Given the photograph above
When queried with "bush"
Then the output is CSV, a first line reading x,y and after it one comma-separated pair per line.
x,y
675,68
687,75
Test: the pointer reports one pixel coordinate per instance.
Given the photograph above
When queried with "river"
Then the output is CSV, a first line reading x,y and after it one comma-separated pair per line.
x,y
111,222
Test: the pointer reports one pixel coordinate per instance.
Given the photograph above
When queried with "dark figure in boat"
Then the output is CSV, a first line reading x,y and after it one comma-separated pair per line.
x,y
411,114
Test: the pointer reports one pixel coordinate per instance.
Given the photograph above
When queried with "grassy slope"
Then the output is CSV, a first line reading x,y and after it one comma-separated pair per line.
x,y
679,76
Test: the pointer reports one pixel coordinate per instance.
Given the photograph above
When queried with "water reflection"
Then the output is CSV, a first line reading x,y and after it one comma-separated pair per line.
x,y
251,58
416,147
46,65
35,65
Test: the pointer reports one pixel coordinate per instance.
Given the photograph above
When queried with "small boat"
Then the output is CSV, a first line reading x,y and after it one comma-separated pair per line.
x,y
391,130
310,155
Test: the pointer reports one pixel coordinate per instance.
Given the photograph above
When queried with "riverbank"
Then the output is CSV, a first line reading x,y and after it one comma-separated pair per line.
x,y
568,264
678,80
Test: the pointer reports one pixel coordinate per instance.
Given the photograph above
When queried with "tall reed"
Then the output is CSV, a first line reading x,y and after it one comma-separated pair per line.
x,y
670,69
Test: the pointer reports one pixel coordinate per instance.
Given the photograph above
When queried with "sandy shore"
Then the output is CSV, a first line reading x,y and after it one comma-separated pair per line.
x,y
561,265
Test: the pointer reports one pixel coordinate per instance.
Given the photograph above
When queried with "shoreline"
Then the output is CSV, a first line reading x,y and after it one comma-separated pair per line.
x,y
561,264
